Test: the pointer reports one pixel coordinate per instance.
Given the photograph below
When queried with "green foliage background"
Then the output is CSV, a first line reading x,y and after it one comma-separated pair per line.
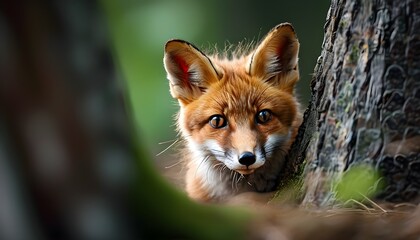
x,y
139,30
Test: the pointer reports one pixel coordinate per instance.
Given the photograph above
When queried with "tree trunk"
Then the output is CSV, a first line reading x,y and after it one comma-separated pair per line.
x,y
365,101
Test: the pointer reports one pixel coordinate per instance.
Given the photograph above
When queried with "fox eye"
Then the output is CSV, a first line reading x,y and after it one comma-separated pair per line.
x,y
263,116
217,121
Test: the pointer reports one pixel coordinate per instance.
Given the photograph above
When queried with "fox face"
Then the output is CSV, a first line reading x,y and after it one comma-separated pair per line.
x,y
238,116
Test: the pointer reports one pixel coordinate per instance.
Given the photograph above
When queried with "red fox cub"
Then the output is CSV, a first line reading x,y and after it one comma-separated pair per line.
x,y
238,115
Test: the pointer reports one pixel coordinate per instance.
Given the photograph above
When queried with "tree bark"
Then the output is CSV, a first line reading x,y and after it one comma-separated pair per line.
x,y
365,101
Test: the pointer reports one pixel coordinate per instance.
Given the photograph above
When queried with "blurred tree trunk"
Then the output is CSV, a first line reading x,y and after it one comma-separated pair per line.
x,y
365,106
71,166
66,143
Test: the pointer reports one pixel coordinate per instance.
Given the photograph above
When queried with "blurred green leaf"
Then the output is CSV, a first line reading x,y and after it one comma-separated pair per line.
x,y
357,183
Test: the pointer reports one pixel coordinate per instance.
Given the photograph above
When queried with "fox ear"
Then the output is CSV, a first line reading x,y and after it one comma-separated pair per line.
x,y
275,59
189,71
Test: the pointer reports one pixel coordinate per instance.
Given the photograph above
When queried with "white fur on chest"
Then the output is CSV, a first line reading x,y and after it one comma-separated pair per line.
x,y
212,173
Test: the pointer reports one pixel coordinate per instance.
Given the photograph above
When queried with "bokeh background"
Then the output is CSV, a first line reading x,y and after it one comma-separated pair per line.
x,y
139,30
69,161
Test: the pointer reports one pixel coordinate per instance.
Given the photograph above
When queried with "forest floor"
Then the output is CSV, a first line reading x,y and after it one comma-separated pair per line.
x,y
370,221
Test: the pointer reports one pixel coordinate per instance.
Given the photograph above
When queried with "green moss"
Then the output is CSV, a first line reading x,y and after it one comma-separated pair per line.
x,y
354,54
357,183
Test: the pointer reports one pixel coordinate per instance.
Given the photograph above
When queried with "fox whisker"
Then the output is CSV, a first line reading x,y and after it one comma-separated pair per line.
x,y
232,174
216,150
207,174
218,164
221,169
220,172
173,165
167,148
241,176
234,186
201,162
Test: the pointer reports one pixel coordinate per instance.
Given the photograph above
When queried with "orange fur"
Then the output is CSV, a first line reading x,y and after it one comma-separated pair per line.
x,y
251,100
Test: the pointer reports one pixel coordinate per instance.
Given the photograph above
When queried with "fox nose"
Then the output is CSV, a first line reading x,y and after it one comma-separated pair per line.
x,y
247,158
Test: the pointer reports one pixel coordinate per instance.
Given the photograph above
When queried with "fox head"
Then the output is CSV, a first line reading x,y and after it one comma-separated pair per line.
x,y
237,112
